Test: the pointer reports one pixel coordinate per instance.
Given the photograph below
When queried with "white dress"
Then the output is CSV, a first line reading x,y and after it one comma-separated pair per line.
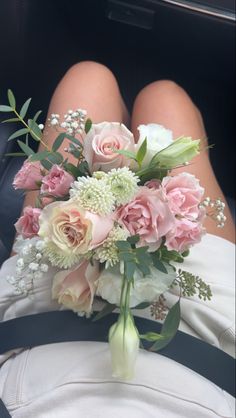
x,y
70,380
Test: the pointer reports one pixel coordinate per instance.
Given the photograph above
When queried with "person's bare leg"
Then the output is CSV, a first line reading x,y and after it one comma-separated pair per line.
x,y
90,86
167,104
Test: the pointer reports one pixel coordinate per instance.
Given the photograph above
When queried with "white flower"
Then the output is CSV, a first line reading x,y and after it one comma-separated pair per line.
x,y
93,195
158,138
145,289
108,251
124,346
123,183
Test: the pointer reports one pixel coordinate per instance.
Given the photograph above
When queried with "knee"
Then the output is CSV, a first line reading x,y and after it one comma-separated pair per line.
x,y
93,71
166,93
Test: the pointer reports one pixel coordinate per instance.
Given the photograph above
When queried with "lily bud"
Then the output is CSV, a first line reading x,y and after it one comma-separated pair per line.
x,y
124,346
181,151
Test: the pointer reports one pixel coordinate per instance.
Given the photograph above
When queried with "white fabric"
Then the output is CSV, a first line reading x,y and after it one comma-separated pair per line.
x,y
73,379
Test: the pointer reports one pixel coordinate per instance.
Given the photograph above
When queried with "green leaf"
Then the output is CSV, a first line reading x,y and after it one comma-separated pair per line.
x,y
123,245
4,108
169,328
46,164
129,269
18,133
10,120
88,125
72,169
35,131
108,308
151,336
27,150
55,158
158,263
15,154
37,115
127,256
58,141
24,108
127,154
144,268
142,152
39,156
133,239
142,305
11,98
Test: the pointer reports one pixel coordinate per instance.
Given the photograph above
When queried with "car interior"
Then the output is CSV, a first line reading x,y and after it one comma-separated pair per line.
x,y
189,42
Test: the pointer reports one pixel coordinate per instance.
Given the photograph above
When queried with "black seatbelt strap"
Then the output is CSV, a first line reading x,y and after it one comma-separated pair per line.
x,y
64,326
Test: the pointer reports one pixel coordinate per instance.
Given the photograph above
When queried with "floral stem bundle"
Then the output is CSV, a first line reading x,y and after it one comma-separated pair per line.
x,y
111,221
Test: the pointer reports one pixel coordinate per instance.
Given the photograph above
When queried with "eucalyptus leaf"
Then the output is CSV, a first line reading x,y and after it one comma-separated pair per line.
x,y
27,150
55,158
123,245
11,98
4,108
46,164
24,108
35,131
133,239
18,133
106,310
10,120
15,154
58,141
158,263
88,125
37,115
39,156
72,169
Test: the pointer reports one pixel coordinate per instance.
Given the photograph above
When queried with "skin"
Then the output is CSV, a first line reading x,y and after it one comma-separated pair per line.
x,y
93,87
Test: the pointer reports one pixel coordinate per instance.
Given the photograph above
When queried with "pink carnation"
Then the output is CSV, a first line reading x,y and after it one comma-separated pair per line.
x,y
185,234
57,182
28,223
184,194
147,215
29,176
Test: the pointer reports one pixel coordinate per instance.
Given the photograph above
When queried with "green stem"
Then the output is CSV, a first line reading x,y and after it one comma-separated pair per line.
x,y
30,130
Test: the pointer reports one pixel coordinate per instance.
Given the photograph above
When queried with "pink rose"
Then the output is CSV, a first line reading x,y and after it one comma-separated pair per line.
x,y
72,231
100,143
147,215
57,182
28,224
29,176
184,194
185,234
75,288
153,184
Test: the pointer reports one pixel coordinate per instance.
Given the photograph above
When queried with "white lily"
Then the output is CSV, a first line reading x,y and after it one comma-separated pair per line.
x,y
124,346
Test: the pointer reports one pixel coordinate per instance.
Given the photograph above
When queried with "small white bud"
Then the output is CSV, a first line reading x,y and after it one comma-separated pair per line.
x,y
41,126
33,266
63,125
74,125
54,122
44,268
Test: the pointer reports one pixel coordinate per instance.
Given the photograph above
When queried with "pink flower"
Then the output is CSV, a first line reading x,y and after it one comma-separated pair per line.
x,y
185,234
28,223
57,182
100,143
29,176
153,184
72,231
147,215
184,194
75,288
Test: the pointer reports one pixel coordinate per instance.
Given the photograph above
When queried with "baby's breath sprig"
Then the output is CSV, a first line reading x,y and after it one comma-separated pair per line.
x,y
191,285
215,210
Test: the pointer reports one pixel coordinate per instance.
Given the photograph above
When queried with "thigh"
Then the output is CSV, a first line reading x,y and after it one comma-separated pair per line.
x,y
167,104
92,87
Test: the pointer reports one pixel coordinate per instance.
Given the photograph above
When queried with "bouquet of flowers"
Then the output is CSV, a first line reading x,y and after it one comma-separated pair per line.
x,y
112,220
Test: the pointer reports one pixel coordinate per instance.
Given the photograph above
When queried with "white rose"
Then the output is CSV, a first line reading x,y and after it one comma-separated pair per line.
x,y
158,138
145,289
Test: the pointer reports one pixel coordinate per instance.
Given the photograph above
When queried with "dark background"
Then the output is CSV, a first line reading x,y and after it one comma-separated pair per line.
x,y
40,40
